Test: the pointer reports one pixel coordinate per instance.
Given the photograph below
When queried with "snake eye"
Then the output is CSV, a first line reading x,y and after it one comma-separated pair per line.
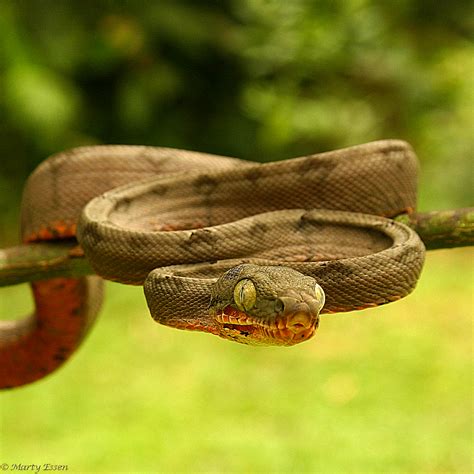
x,y
319,293
245,295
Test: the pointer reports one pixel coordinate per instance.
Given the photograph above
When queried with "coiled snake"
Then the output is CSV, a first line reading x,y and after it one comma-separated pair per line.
x,y
249,252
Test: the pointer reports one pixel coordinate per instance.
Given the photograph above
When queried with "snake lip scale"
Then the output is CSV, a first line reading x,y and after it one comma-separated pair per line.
x,y
288,330
293,322
252,253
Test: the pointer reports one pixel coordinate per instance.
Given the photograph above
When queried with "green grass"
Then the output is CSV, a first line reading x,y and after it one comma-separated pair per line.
x,y
382,390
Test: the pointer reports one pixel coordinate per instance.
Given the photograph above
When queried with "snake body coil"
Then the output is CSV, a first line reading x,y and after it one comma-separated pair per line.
x,y
244,251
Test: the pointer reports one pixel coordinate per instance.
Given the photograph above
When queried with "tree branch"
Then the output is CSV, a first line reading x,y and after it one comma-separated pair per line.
x,y
442,229
41,261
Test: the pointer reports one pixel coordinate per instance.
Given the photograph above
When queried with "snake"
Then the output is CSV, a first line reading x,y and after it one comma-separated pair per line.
x,y
250,252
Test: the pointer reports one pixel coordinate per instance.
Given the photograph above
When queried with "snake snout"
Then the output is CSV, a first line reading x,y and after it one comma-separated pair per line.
x,y
300,314
297,306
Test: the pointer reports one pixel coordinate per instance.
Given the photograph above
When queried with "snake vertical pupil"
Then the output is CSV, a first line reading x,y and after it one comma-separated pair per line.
x,y
245,295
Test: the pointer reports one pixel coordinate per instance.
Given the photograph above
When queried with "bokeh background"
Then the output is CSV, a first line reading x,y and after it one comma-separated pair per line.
x,y
383,390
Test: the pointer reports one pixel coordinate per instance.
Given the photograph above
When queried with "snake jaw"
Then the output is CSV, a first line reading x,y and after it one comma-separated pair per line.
x,y
286,330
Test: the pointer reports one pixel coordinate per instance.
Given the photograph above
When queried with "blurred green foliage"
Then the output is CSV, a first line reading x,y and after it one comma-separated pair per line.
x,y
257,79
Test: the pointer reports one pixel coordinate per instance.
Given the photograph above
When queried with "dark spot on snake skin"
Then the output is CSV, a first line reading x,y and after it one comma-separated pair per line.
x,y
244,333
202,236
93,236
305,220
253,174
205,184
258,229
306,165
54,169
76,311
401,165
333,270
302,222
317,169
160,190
123,205
156,164
59,357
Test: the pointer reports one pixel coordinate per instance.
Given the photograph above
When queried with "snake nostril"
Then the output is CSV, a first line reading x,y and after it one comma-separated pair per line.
x,y
297,326
300,321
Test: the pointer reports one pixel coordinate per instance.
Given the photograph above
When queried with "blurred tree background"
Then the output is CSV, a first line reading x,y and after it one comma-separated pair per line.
x,y
382,390
261,80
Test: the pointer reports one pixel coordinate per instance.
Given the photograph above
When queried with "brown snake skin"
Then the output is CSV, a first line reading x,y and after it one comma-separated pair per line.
x,y
237,249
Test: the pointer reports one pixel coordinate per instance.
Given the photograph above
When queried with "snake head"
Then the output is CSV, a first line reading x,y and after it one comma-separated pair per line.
x,y
266,305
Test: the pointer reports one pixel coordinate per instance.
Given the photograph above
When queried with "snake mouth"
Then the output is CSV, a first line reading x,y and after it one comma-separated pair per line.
x,y
285,330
